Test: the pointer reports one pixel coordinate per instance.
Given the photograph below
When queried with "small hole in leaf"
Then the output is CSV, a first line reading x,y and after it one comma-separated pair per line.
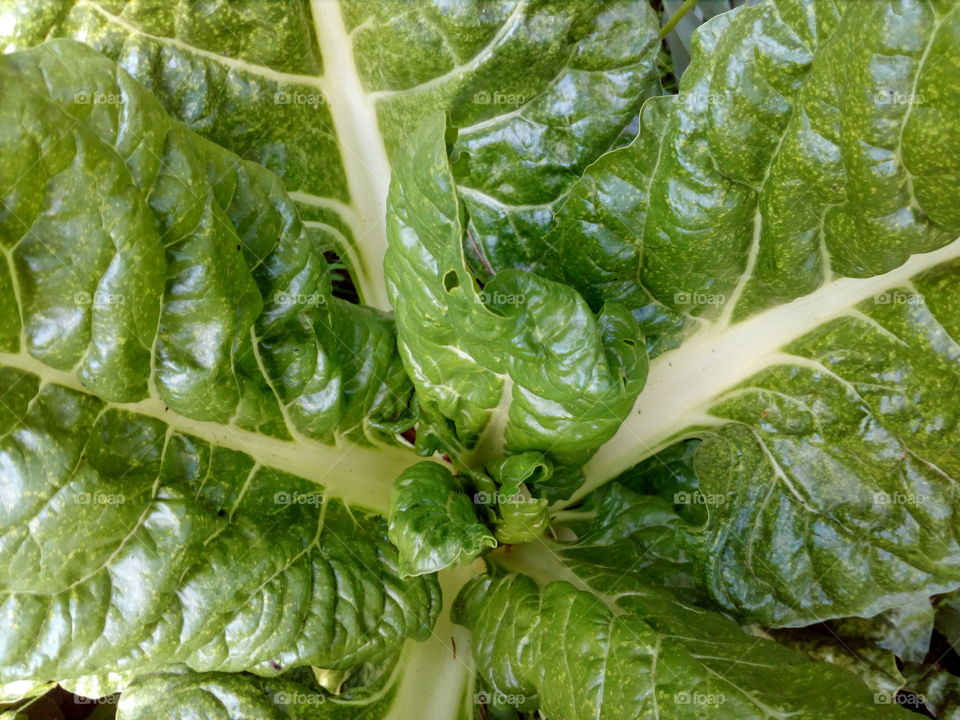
x,y
221,513
629,342
451,281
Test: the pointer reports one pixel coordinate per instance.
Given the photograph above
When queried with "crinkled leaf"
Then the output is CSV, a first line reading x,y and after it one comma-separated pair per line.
x,y
521,520
521,365
787,225
433,523
171,361
438,520
161,547
762,181
185,695
947,616
393,688
851,644
935,690
517,515
576,638
325,94
223,696
157,268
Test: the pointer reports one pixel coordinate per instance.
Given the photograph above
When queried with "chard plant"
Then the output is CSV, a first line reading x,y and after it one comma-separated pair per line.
x,y
434,360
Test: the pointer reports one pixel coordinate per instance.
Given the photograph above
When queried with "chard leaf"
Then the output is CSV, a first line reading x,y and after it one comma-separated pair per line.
x,y
221,696
23,690
763,181
171,364
947,617
521,365
518,517
522,520
226,696
558,632
324,94
850,643
194,289
392,689
433,523
239,696
782,230
161,547
935,690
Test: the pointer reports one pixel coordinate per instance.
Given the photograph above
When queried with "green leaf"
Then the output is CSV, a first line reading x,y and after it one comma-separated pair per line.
x,y
325,94
782,231
185,695
574,638
905,630
785,173
517,516
850,643
522,520
22,690
187,552
642,529
224,696
936,690
432,523
196,290
521,364
171,363
947,617
392,689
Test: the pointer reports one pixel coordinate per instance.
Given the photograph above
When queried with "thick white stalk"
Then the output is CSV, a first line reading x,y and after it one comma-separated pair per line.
x,y
358,474
362,149
437,678
684,383
354,115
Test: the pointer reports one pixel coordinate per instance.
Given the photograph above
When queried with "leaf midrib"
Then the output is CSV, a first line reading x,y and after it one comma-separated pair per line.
x,y
360,475
684,383
363,150
353,111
